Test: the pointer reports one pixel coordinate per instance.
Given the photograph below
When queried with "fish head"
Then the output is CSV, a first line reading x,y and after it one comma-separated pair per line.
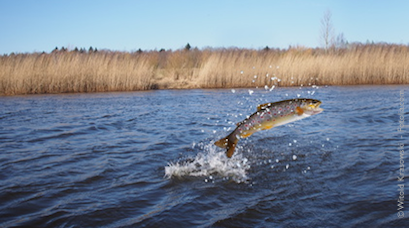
x,y
311,107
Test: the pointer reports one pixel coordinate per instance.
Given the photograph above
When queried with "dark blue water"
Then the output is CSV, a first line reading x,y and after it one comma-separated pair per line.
x,y
146,159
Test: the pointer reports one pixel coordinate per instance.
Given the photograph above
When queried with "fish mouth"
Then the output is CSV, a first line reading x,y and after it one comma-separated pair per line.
x,y
317,108
317,111
313,109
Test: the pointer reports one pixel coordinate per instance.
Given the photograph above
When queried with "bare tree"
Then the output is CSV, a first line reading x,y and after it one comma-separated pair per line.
x,y
327,30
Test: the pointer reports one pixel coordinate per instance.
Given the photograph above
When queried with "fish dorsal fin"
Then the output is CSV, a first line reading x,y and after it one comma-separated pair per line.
x,y
239,123
263,106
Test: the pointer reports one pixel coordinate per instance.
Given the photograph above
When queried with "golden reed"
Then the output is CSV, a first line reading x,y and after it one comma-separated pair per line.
x,y
73,71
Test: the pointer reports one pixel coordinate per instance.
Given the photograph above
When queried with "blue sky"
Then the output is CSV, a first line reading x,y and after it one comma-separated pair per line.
x,y
127,25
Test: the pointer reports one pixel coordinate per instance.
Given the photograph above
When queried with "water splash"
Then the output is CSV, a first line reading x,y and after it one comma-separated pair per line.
x,y
211,162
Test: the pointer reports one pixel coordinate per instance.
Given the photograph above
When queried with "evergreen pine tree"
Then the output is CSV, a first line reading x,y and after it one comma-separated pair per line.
x,y
187,47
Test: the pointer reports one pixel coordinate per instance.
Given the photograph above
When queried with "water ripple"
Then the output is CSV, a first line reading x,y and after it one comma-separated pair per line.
x,y
147,159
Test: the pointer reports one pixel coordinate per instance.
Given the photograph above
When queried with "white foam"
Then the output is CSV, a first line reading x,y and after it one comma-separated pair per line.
x,y
211,162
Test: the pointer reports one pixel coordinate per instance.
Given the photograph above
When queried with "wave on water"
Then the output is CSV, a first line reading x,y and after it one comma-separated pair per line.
x,y
210,163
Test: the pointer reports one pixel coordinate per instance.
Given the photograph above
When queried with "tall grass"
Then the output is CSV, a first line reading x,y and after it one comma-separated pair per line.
x,y
71,71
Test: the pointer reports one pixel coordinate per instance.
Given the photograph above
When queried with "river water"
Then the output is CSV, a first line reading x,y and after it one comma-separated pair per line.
x,y
147,159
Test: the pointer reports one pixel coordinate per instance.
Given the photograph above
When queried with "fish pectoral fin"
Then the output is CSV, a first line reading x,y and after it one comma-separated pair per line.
x,y
299,111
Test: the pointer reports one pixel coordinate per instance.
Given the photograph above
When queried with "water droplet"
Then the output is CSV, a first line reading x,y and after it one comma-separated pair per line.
x,y
295,141
241,72
298,95
287,166
255,76
233,91
279,80
277,161
294,157
327,139
251,91
289,144
266,87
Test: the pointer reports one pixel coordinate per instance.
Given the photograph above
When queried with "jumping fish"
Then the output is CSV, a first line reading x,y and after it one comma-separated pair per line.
x,y
270,115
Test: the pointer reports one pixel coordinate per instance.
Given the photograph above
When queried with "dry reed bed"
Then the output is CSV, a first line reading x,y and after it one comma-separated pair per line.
x,y
63,72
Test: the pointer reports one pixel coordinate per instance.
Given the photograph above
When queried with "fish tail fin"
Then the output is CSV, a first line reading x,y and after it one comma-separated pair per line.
x,y
230,148
227,143
222,143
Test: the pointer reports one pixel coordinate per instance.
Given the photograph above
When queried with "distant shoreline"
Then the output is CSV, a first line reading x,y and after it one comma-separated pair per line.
x,y
246,89
64,71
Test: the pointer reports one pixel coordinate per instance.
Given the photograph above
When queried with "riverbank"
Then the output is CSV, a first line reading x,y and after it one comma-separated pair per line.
x,y
101,71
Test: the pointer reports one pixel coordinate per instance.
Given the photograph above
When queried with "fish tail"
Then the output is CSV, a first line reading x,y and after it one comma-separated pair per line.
x,y
228,143
230,148
222,143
